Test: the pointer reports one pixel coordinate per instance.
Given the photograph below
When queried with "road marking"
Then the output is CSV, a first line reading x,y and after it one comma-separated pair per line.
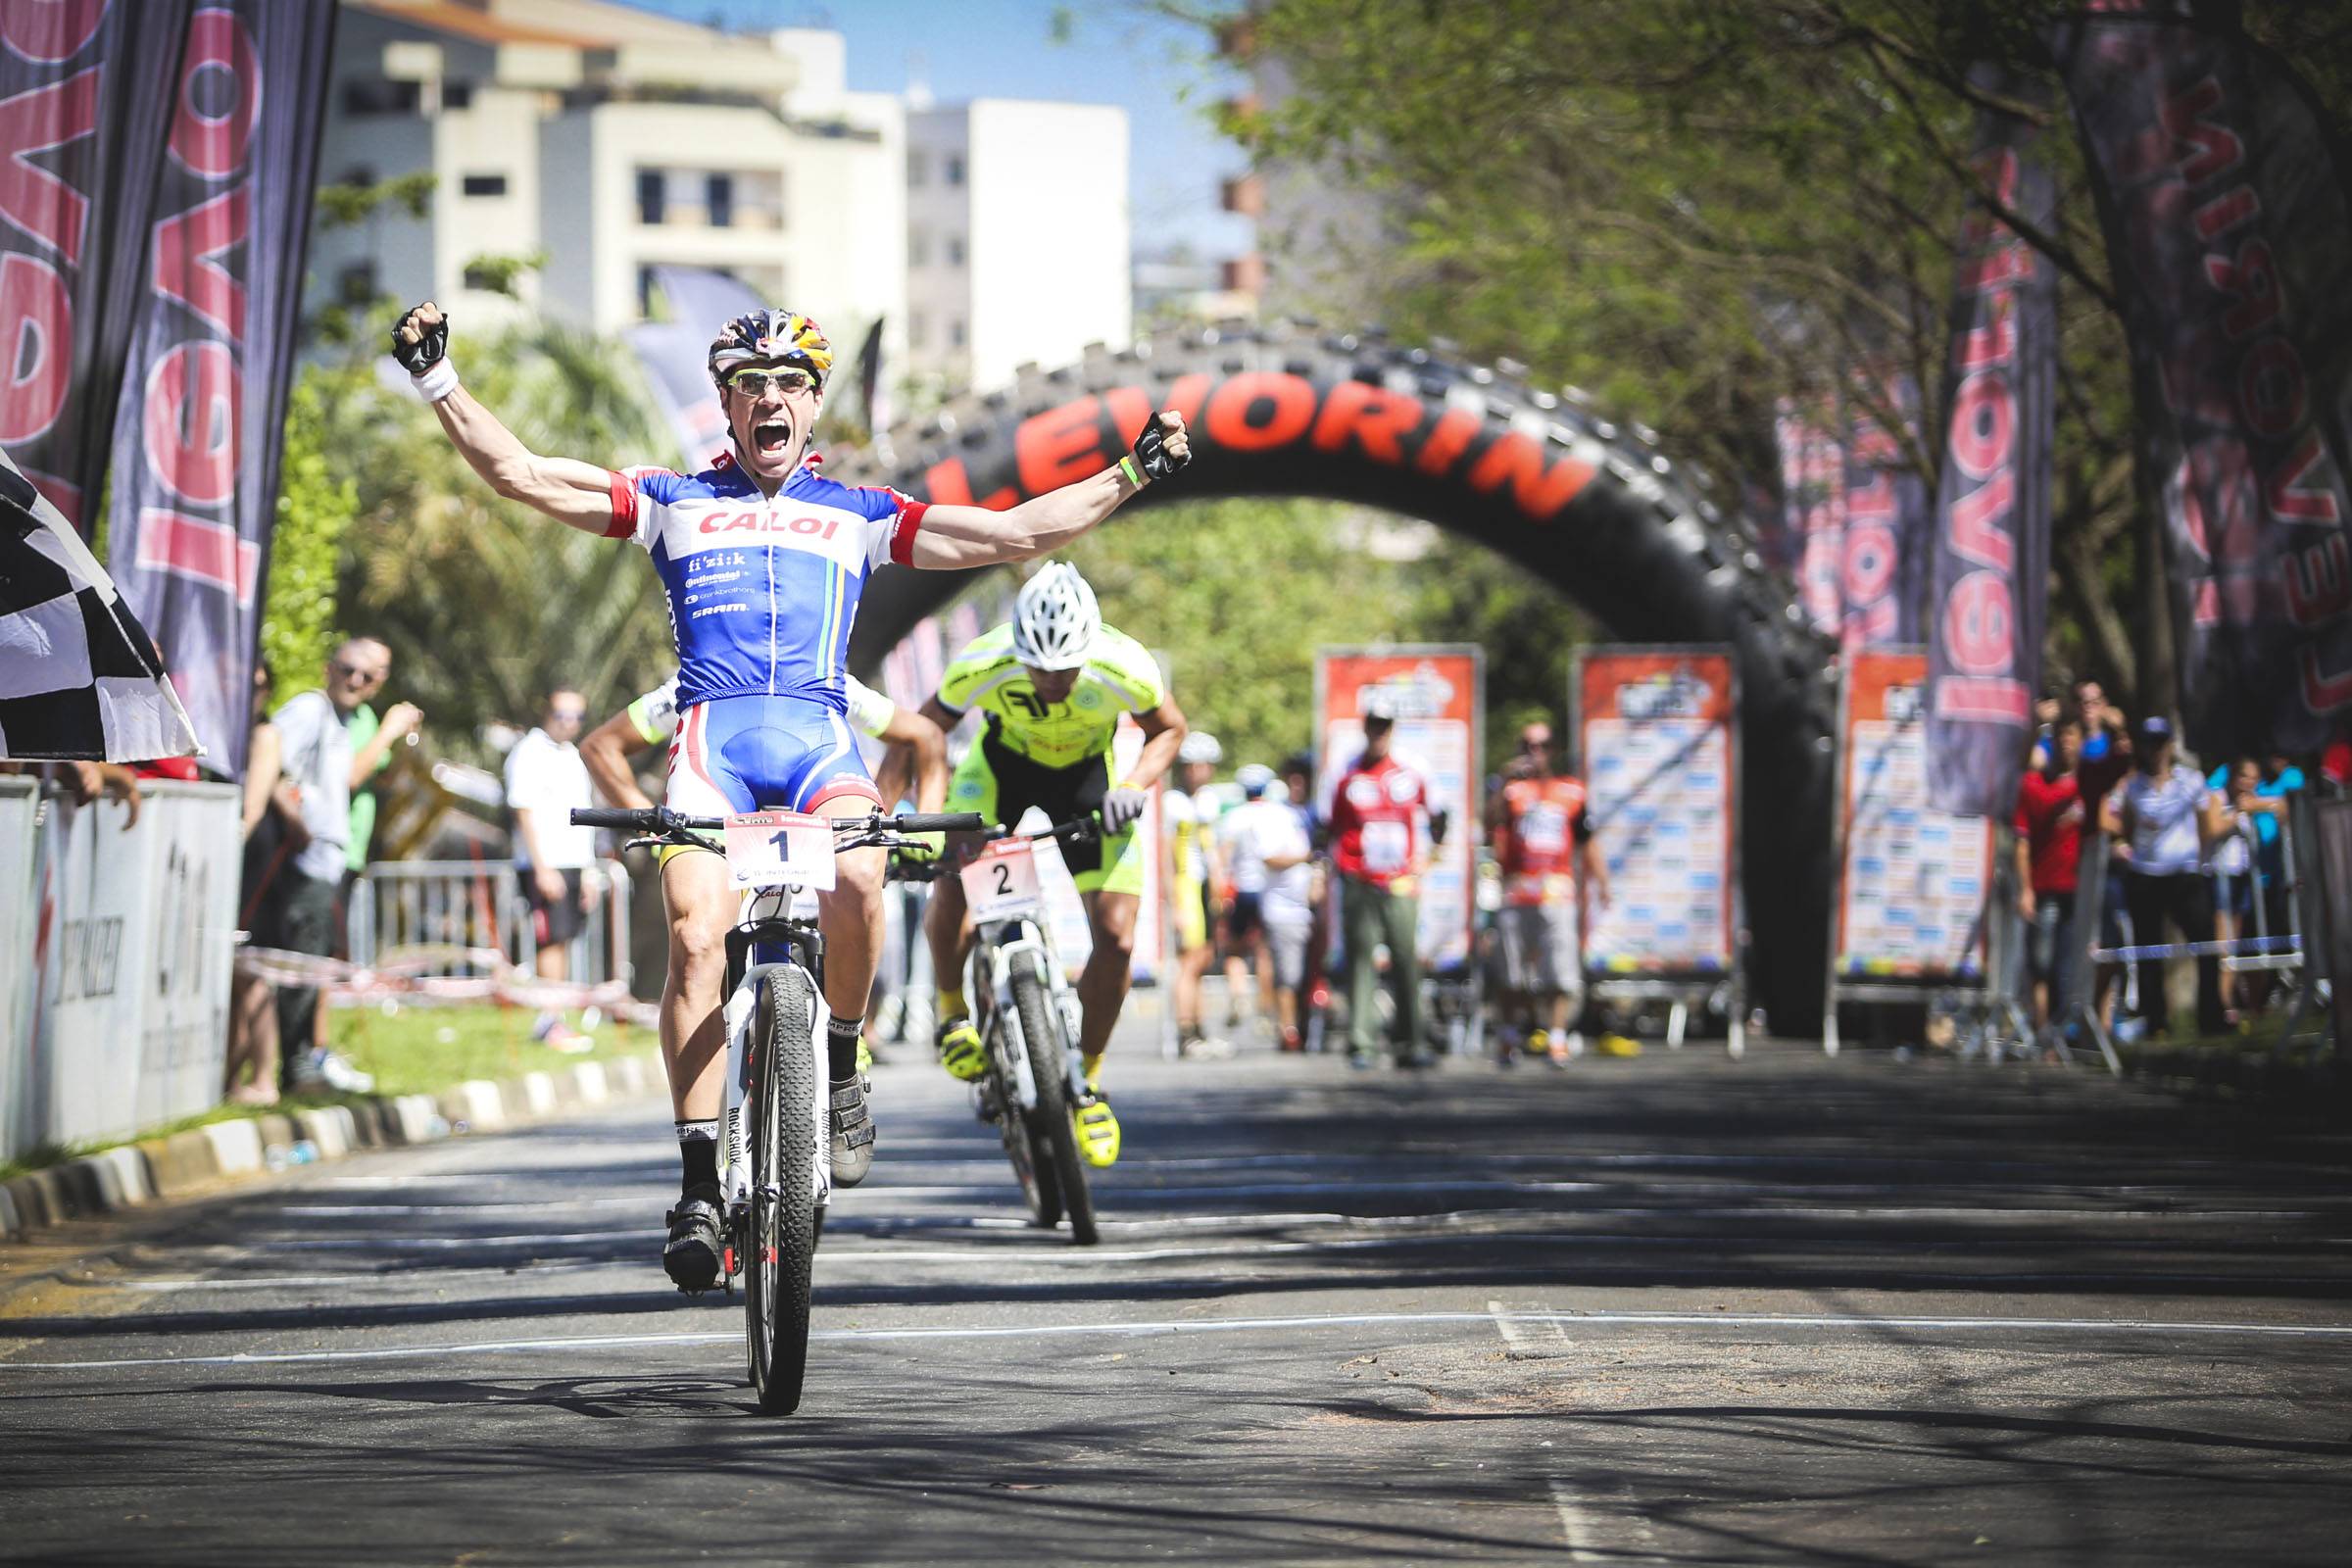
x,y
1247,1325
1523,1342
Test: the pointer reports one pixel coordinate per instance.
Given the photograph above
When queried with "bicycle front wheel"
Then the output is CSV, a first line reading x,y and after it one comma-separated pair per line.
x,y
783,1214
1051,1133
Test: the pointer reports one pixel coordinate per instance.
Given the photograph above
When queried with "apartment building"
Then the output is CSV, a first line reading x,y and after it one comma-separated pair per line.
x,y
610,140
1018,237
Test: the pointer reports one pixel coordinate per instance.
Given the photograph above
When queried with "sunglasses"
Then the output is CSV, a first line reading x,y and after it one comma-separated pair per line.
x,y
571,714
756,384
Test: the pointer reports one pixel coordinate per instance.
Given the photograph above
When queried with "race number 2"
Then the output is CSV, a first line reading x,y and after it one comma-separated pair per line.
x,y
1001,882
780,848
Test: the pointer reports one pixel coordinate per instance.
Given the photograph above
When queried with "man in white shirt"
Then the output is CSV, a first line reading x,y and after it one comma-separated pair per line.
x,y
546,781
1267,851
2166,818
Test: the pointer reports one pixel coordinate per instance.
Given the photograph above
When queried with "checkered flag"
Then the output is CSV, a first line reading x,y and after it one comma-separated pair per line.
x,y
78,675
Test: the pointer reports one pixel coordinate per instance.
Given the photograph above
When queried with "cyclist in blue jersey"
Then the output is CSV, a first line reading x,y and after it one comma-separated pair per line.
x,y
762,561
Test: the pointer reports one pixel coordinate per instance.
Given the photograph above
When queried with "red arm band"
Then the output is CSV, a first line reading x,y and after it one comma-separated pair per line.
x,y
624,509
902,539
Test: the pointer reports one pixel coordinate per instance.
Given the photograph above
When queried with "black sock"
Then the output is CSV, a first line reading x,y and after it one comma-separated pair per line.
x,y
840,1046
698,1153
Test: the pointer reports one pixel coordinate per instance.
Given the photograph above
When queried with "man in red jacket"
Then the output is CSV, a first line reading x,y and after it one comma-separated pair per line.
x,y
1380,846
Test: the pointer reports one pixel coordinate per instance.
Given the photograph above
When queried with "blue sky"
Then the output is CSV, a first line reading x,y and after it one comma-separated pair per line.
x,y
1117,53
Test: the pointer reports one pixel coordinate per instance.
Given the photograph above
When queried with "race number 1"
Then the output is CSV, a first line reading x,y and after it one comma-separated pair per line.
x,y
780,848
1001,882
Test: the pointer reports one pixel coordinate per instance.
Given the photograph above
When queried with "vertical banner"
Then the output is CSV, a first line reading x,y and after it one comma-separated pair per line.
x,y
84,93
1886,524
1655,741
1993,508
1436,693
1813,462
2227,228
1913,880
202,421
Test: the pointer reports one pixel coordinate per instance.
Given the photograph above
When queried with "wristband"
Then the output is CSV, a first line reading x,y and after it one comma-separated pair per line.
x,y
439,380
1127,466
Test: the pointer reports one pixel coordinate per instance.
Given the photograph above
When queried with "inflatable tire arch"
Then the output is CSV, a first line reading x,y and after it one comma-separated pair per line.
x,y
1588,505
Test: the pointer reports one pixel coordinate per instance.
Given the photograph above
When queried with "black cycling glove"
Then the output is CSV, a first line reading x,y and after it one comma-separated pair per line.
x,y
1151,454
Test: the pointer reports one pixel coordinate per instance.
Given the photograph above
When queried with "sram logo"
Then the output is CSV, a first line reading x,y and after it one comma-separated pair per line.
x,y
756,520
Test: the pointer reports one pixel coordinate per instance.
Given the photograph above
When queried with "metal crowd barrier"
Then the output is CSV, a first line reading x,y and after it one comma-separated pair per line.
x,y
474,904
2278,950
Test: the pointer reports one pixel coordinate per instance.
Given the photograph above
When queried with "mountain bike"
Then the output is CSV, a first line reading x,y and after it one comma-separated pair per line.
x,y
777,1151
1028,1016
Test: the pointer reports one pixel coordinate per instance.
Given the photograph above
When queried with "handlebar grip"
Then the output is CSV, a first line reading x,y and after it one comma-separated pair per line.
x,y
940,822
619,819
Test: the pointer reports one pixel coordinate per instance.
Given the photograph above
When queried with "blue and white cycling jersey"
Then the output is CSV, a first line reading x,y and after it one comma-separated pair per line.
x,y
761,590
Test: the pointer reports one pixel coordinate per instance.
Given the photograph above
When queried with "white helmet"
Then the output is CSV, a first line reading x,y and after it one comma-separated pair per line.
x,y
1254,778
1054,618
1199,746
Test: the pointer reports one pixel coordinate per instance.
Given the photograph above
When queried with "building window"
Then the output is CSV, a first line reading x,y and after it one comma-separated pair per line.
x,y
484,185
359,174
652,190
918,248
919,170
956,333
372,95
354,285
718,200
954,168
457,95
955,250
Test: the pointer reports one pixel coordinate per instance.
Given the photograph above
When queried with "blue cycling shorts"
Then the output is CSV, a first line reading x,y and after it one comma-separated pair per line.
x,y
762,753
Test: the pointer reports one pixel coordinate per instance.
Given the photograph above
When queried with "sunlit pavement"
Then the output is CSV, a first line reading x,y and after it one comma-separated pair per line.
x,y
1674,1309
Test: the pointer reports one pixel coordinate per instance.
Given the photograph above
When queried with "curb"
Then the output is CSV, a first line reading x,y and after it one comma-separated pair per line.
x,y
201,1158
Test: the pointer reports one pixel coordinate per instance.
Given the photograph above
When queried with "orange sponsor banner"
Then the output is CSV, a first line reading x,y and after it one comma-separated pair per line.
x,y
1435,694
1658,760
1911,881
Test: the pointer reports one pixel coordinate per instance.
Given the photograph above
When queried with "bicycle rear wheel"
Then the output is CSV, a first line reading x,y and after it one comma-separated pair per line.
x,y
1053,1135
783,1209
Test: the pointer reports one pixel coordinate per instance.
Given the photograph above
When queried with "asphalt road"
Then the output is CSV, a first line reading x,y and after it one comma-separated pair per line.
x,y
1669,1310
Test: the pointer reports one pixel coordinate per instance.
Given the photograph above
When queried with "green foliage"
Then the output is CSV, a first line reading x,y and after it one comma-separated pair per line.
x,y
315,509
1238,594
1693,208
502,274
486,603
345,205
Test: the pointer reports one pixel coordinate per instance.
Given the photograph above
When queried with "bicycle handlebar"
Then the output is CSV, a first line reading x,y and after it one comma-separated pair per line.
x,y
661,821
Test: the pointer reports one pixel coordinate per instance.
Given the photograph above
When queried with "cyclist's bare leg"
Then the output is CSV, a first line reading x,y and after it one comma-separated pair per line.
x,y
1103,982
1191,967
851,916
702,908
945,927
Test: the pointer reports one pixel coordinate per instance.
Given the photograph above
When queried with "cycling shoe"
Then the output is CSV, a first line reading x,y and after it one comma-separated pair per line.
x,y
853,1133
690,1256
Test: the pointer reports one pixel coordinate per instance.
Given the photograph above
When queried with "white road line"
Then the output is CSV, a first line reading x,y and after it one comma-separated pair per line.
x,y
1574,1529
1193,1326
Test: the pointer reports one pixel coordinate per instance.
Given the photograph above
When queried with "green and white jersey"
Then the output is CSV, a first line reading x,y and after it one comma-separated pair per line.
x,y
655,714
1120,676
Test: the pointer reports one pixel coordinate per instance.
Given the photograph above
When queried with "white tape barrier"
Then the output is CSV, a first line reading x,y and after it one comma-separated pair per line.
x,y
120,1003
407,975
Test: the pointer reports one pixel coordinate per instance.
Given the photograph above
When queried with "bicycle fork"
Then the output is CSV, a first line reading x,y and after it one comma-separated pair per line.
x,y
742,1012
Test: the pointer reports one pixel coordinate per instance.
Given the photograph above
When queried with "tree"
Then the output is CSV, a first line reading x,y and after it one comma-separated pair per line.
x,y
1695,208
315,510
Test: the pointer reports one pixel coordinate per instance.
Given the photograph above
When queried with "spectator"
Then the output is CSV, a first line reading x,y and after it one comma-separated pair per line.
x,y
371,743
546,781
1542,833
2103,731
1294,912
315,743
1268,850
1379,846
2051,813
1192,872
273,835
2265,804
2168,818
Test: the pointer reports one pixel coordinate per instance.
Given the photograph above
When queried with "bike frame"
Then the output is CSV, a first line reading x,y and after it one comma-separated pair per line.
x,y
1001,945
767,937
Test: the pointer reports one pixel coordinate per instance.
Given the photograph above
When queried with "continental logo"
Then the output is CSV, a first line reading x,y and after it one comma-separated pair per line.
x,y
1260,411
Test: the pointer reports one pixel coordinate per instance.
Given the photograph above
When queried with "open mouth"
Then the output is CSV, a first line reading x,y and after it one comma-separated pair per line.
x,y
769,437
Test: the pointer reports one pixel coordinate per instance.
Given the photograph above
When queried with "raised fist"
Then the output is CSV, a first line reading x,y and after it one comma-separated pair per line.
x,y
1163,447
420,338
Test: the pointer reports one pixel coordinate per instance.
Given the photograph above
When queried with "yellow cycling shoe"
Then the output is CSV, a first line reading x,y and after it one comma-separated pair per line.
x,y
1098,1130
1616,1045
961,1049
